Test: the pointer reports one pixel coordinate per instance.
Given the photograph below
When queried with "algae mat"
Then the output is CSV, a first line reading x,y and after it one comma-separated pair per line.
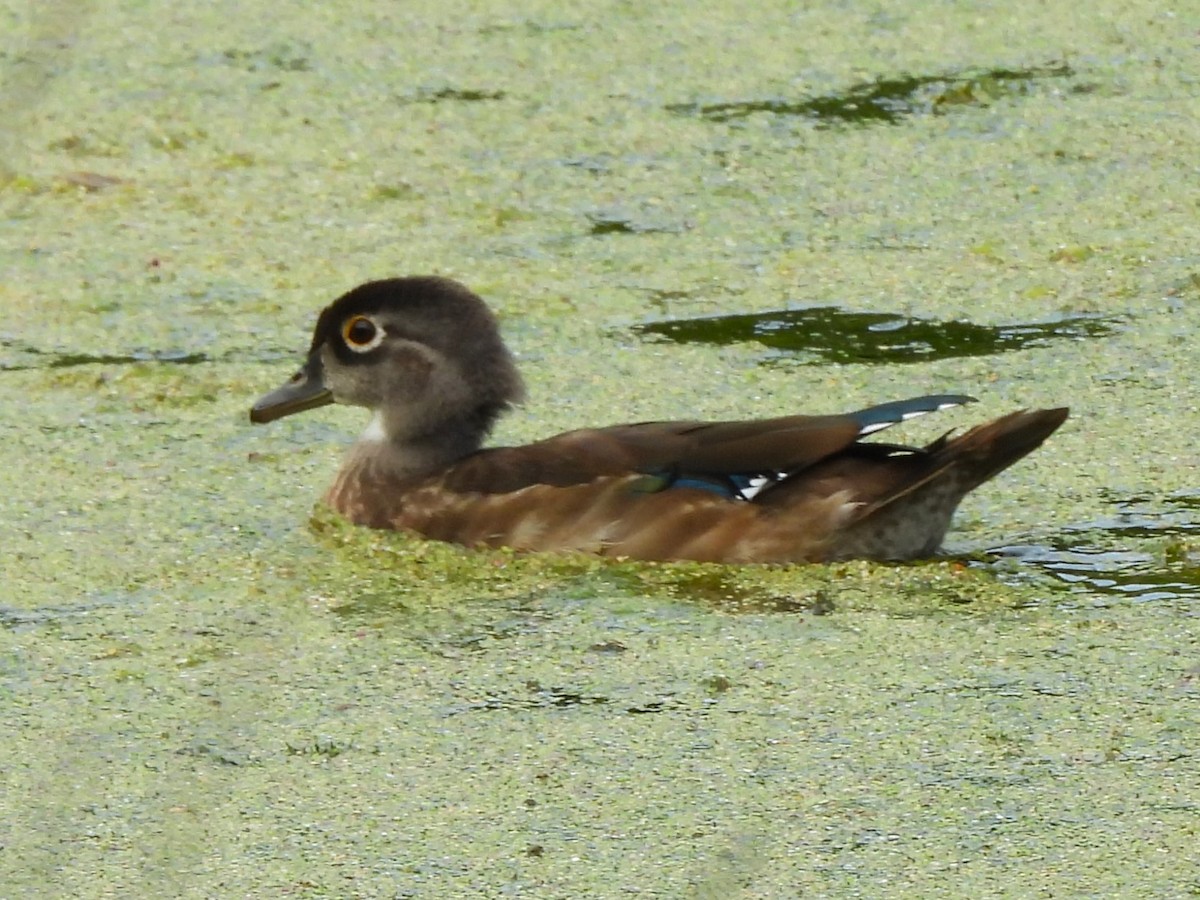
x,y
212,690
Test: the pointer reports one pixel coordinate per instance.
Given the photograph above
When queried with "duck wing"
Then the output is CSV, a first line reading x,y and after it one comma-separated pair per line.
x,y
722,456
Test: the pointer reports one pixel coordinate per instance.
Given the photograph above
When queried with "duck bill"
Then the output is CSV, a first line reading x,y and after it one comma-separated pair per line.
x,y
305,390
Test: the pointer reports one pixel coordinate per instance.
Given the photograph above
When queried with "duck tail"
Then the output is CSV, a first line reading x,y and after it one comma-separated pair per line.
x,y
989,449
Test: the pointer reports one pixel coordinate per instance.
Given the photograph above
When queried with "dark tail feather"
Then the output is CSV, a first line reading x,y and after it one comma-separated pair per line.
x,y
989,449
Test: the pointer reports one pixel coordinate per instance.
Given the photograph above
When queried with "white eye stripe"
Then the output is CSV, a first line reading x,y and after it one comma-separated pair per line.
x,y
362,334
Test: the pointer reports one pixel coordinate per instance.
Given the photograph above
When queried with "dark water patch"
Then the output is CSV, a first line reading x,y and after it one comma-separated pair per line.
x,y
1132,574
1186,288
280,56
27,357
452,95
832,334
477,626
367,608
616,220
213,751
285,56
90,182
598,164
1148,550
888,101
169,357
534,695
16,618
529,27
19,357
20,618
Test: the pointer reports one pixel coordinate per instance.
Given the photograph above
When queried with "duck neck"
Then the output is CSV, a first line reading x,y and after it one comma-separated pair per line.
x,y
405,454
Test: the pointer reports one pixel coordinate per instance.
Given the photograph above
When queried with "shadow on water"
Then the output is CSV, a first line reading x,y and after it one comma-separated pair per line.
x,y
831,334
888,101
1149,550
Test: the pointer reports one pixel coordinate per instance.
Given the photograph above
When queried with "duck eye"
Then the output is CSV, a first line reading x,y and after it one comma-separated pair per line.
x,y
361,333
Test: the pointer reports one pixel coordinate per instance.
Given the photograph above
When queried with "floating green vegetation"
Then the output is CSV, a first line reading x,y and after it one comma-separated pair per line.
x,y
469,600
888,101
832,334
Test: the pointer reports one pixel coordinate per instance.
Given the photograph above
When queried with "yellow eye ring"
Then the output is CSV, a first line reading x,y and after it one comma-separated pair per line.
x,y
361,333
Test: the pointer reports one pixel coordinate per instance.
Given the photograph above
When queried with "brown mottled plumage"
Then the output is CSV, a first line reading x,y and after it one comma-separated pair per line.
x,y
425,355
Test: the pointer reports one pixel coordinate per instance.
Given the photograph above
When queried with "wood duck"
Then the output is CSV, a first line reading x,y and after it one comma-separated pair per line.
x,y
424,354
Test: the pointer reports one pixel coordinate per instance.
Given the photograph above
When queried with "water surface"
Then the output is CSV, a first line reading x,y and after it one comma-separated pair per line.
x,y
207,692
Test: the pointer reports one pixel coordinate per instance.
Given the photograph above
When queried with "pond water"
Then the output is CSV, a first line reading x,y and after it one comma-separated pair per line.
x,y
212,688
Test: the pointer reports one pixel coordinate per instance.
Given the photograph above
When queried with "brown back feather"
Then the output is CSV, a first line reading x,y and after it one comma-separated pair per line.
x,y
785,444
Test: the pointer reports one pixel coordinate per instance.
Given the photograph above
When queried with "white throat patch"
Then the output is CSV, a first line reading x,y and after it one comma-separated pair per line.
x,y
375,431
